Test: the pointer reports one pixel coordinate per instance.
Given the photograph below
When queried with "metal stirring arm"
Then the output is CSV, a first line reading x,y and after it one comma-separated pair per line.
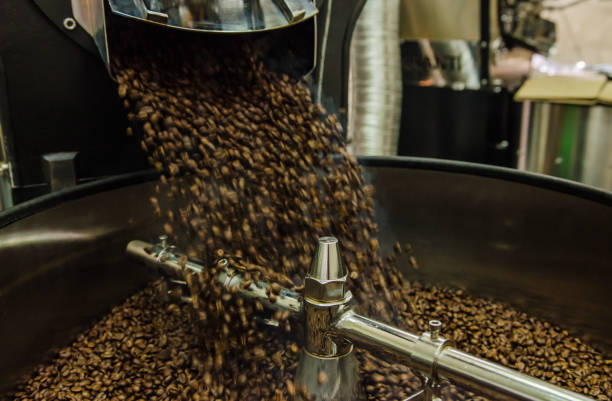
x,y
436,359
164,257
332,328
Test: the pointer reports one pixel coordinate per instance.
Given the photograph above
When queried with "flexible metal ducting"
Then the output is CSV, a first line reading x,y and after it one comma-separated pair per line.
x,y
375,80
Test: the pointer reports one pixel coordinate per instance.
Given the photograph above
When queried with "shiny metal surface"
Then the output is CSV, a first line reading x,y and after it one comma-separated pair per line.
x,y
157,256
60,170
287,299
568,141
543,251
326,279
168,261
342,379
221,16
63,268
6,198
334,29
496,381
325,297
318,322
226,16
90,14
6,191
375,80
327,264
375,336
435,359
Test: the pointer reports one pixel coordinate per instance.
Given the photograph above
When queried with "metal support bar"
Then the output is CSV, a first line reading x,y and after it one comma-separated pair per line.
x,y
485,41
164,257
447,363
496,381
375,336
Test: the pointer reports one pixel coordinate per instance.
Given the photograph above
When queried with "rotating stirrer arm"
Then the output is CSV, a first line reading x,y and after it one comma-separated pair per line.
x,y
332,328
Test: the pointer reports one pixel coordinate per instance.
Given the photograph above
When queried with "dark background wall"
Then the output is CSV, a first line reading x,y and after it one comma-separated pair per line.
x,y
480,126
58,97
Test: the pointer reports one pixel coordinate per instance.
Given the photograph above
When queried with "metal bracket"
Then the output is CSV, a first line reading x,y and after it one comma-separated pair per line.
x,y
6,191
292,9
432,383
154,16
60,170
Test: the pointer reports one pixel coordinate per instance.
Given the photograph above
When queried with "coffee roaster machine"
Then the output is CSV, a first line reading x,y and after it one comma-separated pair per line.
x,y
539,243
64,265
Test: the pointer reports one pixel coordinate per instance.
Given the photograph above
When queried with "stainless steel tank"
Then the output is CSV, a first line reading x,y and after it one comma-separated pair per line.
x,y
568,141
538,243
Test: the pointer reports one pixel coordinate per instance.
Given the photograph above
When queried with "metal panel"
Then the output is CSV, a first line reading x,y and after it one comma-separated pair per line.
x,y
568,141
375,80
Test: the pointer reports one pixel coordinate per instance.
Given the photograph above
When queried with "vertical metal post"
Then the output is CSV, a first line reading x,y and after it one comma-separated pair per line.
x,y
334,25
485,41
6,178
6,191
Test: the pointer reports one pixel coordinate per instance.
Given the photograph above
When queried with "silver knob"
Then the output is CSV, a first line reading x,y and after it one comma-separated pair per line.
x,y
434,329
327,276
327,264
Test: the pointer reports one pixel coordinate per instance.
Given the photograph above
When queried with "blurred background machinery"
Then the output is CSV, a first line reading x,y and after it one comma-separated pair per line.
x,y
423,78
451,94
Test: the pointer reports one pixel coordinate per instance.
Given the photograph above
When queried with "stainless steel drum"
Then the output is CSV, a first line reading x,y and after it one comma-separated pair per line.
x,y
536,242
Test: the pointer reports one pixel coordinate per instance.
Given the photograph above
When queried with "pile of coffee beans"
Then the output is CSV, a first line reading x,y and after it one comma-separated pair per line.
x,y
148,349
254,172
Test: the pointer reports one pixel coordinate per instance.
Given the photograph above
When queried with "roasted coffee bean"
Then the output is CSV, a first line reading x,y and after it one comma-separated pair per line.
x,y
322,377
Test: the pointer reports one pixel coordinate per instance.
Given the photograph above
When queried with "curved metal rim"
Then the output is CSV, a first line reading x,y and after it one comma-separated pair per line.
x,y
213,31
503,173
41,203
537,180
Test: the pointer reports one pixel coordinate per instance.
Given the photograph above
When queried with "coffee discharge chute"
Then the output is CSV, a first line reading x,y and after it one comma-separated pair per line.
x,y
219,16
